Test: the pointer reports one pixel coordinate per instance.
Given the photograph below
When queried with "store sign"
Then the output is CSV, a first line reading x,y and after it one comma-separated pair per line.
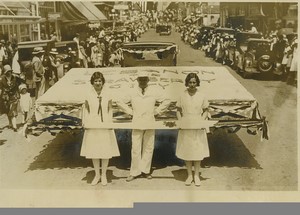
x,y
54,16
120,7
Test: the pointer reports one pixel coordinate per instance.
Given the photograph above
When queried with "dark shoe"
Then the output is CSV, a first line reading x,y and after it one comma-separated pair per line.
x,y
15,130
130,178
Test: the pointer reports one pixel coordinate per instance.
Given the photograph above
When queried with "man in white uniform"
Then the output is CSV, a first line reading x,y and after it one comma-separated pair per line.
x,y
143,98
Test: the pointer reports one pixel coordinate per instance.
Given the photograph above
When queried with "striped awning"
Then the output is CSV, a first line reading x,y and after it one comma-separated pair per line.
x,y
79,12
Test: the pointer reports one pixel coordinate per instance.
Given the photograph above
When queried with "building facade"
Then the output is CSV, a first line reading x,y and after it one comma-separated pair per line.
x,y
263,15
19,21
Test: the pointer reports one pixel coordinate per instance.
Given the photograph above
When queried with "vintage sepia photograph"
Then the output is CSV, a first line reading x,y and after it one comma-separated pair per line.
x,y
110,103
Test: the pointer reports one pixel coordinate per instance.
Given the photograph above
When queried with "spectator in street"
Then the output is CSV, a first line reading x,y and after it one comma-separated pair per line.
x,y
285,59
77,40
9,96
192,144
53,37
98,144
292,78
14,42
84,60
278,53
253,28
10,52
15,63
25,102
38,71
143,98
101,34
3,54
96,55
55,64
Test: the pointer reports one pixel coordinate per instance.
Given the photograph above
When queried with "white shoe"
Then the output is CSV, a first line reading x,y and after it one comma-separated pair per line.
x,y
188,181
197,181
103,180
95,180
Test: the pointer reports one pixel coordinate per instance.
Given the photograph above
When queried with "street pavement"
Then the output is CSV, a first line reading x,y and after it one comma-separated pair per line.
x,y
237,162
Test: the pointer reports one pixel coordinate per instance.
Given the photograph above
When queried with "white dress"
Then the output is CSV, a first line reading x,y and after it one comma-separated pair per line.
x,y
99,143
25,102
192,145
294,62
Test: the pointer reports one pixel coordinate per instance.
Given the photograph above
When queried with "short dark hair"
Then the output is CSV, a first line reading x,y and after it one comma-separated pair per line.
x,y
190,76
97,75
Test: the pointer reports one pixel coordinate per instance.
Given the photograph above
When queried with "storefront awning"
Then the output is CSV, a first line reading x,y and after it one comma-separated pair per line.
x,y
79,12
89,10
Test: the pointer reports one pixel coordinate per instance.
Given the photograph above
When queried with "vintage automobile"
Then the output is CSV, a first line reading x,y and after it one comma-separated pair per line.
x,y
239,44
25,50
149,54
224,31
157,28
254,56
202,36
165,30
68,53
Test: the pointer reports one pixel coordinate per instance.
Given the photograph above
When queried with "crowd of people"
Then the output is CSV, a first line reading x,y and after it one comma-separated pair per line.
x,y
283,47
100,49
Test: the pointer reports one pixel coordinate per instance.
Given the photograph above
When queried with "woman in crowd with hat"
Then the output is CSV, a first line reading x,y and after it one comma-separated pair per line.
x,y
192,144
9,96
38,71
54,66
98,144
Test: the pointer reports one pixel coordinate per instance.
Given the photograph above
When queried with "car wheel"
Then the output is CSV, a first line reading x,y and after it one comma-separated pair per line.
x,y
264,65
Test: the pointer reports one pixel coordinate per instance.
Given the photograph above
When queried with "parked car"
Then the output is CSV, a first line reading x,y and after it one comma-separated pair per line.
x,y
149,54
255,57
157,28
240,45
224,31
68,53
25,50
165,30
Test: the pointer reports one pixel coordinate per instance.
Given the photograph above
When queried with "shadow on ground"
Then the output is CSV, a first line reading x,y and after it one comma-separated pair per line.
x,y
226,150
109,174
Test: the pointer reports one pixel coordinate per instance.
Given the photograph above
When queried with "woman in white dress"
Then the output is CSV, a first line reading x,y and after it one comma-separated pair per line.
x,y
192,144
98,144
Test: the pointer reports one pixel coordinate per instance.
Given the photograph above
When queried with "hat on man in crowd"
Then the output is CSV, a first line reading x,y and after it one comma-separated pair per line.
x,y
38,50
53,51
143,74
7,68
22,86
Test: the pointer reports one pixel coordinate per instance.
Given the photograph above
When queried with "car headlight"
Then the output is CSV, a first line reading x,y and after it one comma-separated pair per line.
x,y
248,62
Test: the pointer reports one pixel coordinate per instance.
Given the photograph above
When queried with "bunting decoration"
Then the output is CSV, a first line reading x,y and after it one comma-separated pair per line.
x,y
231,106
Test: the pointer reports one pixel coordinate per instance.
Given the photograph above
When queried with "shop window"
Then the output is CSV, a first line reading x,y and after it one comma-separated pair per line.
x,y
25,32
